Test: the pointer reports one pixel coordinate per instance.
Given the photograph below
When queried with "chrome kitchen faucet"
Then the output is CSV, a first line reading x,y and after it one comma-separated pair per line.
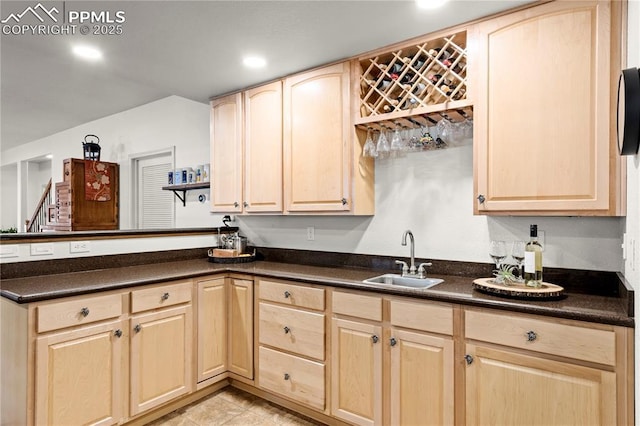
x,y
410,271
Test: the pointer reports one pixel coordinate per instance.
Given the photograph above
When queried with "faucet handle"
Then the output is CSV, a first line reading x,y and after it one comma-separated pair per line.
x,y
422,270
405,267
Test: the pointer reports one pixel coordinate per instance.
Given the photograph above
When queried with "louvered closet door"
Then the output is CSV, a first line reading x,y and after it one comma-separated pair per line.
x,y
155,206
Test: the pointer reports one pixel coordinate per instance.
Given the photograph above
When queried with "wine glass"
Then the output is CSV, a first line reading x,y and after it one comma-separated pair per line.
x,y
517,252
382,147
369,147
497,251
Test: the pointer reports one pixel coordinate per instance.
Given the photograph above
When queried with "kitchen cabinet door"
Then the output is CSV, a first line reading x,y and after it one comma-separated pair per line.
x,y
78,379
226,154
509,388
356,378
212,328
161,344
263,149
318,136
545,80
241,327
421,378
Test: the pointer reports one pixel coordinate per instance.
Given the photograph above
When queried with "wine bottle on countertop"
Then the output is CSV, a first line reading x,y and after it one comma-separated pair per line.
x,y
533,260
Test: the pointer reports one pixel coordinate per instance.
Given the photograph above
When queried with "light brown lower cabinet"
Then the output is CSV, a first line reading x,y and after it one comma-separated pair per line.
x,y
291,341
240,340
526,369
337,354
212,327
389,366
160,358
78,379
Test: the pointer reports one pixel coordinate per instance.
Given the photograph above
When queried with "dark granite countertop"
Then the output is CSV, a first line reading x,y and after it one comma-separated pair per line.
x,y
454,289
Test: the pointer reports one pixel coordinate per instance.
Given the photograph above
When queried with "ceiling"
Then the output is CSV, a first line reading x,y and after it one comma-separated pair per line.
x,y
192,49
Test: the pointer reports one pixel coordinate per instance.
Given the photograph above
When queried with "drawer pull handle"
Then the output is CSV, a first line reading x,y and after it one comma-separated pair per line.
x,y
286,376
117,333
393,341
531,336
165,296
374,339
84,312
287,295
286,330
468,358
137,328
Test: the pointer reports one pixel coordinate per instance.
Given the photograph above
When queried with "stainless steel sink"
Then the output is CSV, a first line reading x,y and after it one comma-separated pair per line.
x,y
399,280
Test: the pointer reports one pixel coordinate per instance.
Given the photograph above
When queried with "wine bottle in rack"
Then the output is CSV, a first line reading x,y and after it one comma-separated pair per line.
x,y
392,105
434,78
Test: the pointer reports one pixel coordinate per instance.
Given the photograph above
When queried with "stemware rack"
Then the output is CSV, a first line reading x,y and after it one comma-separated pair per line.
x,y
416,85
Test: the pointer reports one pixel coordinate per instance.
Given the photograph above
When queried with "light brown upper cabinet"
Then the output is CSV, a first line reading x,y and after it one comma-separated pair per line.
x,y
544,84
263,149
322,164
246,151
226,154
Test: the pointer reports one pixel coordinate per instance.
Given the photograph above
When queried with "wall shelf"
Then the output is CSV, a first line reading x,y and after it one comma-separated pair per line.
x,y
184,188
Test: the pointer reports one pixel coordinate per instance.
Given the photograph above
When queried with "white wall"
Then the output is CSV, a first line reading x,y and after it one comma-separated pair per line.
x,y
431,193
38,175
172,121
9,196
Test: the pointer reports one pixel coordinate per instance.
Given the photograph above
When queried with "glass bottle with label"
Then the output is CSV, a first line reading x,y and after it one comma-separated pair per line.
x,y
533,260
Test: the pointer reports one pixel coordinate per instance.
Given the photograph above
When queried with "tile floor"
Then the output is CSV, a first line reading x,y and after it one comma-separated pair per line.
x,y
231,406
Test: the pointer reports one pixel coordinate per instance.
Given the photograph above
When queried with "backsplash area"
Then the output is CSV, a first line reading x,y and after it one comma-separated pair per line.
x,y
431,193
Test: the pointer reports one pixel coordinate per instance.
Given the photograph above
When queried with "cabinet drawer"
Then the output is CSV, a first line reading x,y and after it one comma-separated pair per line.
x,y
293,377
524,332
292,294
357,305
422,316
77,312
293,330
160,297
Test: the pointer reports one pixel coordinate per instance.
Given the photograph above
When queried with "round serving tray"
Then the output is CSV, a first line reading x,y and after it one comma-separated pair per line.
x,y
518,290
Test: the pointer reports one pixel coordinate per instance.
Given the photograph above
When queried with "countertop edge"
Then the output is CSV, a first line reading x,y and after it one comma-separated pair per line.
x,y
514,305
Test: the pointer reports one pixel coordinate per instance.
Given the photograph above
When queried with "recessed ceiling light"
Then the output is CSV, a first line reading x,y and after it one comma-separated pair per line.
x,y
254,62
87,52
48,156
430,4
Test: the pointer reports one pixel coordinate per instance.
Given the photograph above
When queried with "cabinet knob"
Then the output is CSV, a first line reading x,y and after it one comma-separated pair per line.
x,y
393,341
481,198
287,295
117,333
137,328
84,312
344,201
165,296
235,204
245,204
468,358
374,338
286,376
531,336
286,330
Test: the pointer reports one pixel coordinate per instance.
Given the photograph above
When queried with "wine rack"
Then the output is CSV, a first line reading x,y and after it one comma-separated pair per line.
x,y
416,85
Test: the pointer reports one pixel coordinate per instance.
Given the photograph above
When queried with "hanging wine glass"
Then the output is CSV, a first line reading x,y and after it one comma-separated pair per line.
x,y
382,147
396,140
369,149
444,128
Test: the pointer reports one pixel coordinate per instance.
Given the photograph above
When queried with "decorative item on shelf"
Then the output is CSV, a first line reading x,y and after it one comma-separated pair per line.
x,y
91,148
